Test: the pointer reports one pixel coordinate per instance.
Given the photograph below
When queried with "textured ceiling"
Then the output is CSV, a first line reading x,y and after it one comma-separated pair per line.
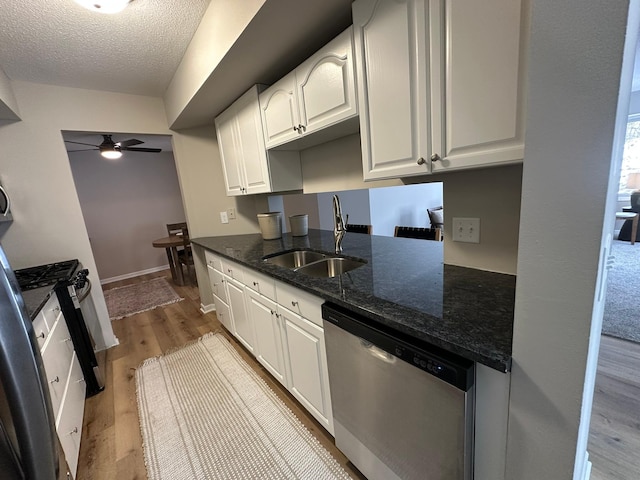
x,y
59,42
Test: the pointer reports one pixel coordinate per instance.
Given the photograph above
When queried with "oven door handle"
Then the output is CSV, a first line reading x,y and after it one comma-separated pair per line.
x,y
7,200
86,293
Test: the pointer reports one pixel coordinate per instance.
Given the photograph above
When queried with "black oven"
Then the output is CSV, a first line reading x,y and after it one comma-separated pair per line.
x,y
72,285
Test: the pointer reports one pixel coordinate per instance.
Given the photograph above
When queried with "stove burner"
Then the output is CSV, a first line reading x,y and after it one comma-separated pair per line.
x,y
44,275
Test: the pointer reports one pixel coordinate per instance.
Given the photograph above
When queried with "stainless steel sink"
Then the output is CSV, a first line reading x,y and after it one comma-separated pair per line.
x,y
315,264
294,259
330,267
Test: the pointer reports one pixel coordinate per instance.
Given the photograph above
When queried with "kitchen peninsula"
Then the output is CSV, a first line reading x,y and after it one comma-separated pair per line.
x,y
404,286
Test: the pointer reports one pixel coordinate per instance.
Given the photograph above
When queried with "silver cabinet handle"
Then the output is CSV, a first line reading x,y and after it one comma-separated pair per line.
x,y
435,157
41,335
302,128
7,199
421,161
295,129
55,380
75,430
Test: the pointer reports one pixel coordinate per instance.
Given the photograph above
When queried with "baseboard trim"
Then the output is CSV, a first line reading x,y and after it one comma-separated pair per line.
x,y
133,274
207,308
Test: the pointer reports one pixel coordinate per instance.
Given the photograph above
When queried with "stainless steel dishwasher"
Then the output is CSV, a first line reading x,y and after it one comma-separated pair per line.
x,y
402,409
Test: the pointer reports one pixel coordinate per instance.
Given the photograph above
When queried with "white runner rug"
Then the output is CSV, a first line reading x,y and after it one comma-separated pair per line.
x,y
205,414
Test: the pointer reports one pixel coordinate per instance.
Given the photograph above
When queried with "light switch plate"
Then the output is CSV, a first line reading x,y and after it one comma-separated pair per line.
x,y
223,217
466,230
231,213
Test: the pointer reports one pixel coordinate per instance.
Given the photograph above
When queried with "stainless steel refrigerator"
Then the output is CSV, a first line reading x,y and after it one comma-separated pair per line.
x,y
29,447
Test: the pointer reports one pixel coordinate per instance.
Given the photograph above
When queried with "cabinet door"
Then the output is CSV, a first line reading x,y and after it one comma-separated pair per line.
x,y
306,359
484,89
242,324
223,314
280,111
230,155
268,330
326,85
390,40
254,168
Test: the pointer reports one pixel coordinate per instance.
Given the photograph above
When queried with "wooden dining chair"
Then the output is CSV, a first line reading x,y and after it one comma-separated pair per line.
x,y
356,228
422,233
185,255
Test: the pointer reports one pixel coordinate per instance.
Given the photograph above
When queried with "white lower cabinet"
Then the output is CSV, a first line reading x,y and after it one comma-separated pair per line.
x,y
280,325
242,323
268,328
64,376
306,359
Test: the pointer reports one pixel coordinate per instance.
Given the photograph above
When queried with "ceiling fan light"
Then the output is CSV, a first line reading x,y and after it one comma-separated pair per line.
x,y
111,154
104,6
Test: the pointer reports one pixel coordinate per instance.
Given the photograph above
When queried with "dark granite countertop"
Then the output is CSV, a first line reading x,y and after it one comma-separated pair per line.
x,y
404,286
36,298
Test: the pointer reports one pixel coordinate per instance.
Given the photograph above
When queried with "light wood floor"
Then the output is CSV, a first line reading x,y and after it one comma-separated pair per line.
x,y
614,439
111,446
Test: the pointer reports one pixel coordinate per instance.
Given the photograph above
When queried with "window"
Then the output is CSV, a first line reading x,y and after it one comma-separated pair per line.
x,y
631,154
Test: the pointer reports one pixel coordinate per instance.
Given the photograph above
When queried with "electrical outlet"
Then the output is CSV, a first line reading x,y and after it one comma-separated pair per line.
x,y
223,217
231,213
466,230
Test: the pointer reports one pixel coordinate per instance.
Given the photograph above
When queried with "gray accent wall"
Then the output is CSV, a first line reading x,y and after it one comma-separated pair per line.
x,y
127,204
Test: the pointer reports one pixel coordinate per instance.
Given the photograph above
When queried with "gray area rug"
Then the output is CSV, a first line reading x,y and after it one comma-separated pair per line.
x,y
205,414
622,303
140,297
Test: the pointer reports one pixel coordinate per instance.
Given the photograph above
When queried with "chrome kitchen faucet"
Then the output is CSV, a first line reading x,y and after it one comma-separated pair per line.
x,y
339,223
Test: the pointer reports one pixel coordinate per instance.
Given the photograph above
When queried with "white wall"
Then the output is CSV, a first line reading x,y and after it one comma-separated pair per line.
x,y
34,167
126,204
574,79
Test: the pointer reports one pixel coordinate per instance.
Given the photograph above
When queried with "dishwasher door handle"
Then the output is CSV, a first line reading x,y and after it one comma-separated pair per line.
x,y
377,352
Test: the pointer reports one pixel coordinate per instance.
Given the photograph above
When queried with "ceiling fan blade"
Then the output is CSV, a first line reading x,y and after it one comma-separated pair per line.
x,y
82,150
80,143
149,150
129,143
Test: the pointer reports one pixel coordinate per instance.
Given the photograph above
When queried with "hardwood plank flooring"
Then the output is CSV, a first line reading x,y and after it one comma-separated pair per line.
x,y
111,446
614,437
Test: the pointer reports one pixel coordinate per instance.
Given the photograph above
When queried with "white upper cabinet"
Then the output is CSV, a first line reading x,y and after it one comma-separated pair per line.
x,y
440,84
318,94
247,166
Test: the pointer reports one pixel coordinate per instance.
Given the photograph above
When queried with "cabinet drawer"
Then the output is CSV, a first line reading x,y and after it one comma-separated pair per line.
x,y
51,311
213,260
41,329
223,314
300,302
69,421
216,279
260,283
233,270
56,357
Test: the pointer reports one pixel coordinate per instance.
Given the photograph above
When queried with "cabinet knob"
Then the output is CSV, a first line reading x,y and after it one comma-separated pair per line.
x,y
435,157
255,284
294,303
55,380
272,312
421,161
302,128
75,430
295,129
41,335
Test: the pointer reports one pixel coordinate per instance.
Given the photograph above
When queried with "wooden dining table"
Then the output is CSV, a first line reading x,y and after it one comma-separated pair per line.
x,y
171,244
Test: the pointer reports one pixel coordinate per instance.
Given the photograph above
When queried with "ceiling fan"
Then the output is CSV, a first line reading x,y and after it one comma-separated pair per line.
x,y
113,150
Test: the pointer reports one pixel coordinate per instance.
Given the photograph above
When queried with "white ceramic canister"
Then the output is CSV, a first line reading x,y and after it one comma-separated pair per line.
x,y
270,225
299,225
